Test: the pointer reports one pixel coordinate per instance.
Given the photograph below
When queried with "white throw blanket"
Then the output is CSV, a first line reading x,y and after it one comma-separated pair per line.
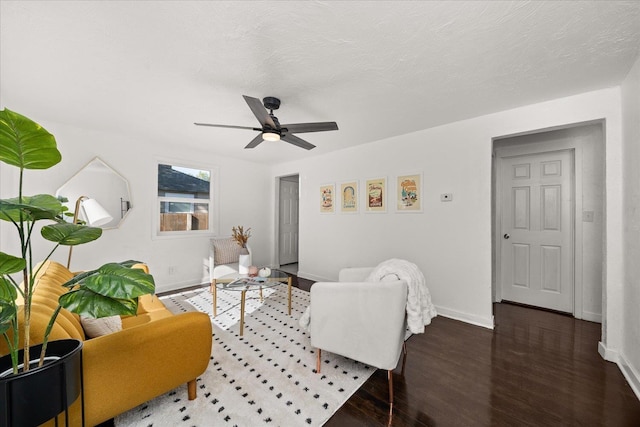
x,y
420,309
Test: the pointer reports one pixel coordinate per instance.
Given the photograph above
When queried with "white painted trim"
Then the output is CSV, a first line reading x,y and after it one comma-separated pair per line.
x,y
592,317
177,286
631,375
578,241
485,322
497,212
607,353
309,276
276,223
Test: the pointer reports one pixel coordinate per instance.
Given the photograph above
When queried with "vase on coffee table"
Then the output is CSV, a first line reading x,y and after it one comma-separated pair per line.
x,y
244,261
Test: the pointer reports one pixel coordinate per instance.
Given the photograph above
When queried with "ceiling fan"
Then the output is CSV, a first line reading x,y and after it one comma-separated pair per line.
x,y
271,129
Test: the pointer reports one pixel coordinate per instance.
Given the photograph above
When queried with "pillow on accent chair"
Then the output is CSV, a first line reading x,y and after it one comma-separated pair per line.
x,y
226,251
98,327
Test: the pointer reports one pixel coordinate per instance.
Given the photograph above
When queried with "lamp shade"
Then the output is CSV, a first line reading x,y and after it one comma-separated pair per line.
x,y
94,213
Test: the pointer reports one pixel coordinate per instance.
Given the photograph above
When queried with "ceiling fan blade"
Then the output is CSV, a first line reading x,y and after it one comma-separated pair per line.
x,y
292,139
260,112
310,127
255,141
227,126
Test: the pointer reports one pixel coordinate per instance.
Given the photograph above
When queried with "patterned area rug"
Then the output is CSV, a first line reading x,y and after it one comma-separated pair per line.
x,y
266,377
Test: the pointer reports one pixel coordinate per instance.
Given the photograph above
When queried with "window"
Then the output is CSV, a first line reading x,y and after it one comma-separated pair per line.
x,y
184,200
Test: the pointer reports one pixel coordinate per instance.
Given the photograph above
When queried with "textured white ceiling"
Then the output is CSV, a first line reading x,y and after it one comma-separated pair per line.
x,y
379,69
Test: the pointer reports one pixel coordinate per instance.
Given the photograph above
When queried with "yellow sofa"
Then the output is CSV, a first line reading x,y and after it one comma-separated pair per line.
x,y
154,352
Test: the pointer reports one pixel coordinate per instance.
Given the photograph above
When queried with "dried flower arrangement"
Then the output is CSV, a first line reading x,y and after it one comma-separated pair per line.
x,y
241,236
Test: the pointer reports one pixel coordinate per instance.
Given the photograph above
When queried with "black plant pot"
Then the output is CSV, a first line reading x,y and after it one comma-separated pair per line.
x,y
33,397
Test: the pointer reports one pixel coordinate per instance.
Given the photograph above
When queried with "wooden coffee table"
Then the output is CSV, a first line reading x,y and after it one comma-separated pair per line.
x,y
242,283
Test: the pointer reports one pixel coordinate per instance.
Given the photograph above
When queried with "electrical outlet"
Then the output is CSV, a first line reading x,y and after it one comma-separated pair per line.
x,y
172,270
446,197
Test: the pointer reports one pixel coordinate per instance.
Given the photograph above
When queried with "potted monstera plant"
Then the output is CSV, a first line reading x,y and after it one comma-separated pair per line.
x,y
111,289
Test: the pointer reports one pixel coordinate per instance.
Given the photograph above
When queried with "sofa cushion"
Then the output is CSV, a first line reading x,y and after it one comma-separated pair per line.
x,y
132,321
148,303
49,279
225,251
103,326
67,320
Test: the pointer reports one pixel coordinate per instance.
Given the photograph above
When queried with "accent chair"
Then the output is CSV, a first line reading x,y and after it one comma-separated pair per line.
x,y
224,254
364,321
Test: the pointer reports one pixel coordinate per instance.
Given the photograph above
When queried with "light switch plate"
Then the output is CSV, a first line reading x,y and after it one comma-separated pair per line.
x,y
446,197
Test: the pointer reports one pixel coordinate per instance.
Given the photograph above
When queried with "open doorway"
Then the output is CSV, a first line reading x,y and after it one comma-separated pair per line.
x,y
287,229
548,216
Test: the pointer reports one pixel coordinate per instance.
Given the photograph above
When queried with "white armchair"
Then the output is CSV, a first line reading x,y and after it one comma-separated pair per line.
x,y
364,321
224,253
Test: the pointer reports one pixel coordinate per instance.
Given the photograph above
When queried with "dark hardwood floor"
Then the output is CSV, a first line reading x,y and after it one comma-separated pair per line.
x,y
536,368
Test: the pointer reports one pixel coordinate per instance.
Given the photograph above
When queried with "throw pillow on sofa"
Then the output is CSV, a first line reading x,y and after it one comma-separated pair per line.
x,y
98,327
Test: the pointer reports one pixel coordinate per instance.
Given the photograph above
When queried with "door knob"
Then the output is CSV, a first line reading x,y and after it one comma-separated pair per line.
x,y
506,235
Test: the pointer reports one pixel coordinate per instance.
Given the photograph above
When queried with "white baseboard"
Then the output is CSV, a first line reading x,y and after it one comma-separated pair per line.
x,y
313,277
442,311
485,322
607,353
631,375
169,287
592,317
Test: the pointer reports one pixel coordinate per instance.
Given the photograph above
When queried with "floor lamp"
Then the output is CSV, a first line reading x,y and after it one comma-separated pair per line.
x,y
94,214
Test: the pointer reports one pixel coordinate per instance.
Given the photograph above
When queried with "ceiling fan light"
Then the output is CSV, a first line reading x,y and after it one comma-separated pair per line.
x,y
270,136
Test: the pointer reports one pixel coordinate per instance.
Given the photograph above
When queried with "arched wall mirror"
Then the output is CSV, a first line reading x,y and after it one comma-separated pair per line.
x,y
100,182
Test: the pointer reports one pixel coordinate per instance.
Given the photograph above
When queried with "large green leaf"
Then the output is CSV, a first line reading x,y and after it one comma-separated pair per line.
x,y
116,281
111,289
26,144
10,264
7,314
70,234
88,303
81,276
8,292
33,208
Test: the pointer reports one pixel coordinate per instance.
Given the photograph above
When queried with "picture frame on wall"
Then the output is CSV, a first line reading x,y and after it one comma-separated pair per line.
x,y
376,195
327,198
409,193
349,197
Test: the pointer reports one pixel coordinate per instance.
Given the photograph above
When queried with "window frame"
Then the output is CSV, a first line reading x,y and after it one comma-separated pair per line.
x,y
212,201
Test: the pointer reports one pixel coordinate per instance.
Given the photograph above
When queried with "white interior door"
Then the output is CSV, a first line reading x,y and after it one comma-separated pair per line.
x,y
289,198
537,259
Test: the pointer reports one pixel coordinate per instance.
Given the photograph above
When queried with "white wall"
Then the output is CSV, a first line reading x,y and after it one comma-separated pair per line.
x,y
630,351
450,241
243,188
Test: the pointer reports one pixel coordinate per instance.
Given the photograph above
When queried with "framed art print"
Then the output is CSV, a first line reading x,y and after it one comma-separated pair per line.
x,y
376,195
409,193
349,197
327,198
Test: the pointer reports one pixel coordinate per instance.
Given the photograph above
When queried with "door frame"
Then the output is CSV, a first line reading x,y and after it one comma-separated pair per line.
x,y
576,206
276,216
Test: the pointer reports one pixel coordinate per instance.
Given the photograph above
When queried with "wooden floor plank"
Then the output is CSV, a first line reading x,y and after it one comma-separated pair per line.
x,y
536,368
